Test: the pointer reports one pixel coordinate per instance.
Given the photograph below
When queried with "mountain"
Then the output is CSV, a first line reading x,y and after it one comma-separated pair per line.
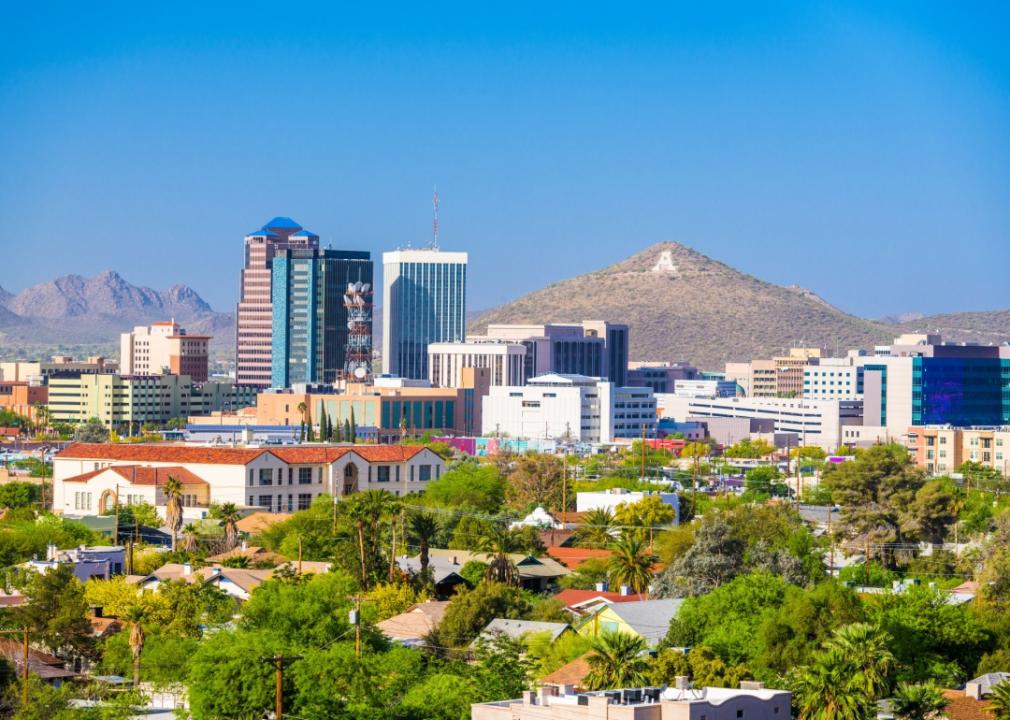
x,y
986,327
72,310
680,304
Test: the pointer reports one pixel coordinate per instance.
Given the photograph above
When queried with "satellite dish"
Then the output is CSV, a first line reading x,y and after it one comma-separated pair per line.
x,y
359,372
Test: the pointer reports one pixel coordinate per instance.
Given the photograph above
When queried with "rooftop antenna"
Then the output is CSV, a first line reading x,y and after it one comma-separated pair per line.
x,y
434,224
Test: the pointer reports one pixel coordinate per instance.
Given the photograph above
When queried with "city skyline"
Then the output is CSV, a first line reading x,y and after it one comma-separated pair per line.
x,y
560,144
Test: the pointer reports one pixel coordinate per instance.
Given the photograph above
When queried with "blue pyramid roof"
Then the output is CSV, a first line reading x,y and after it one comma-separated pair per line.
x,y
262,233
304,233
283,223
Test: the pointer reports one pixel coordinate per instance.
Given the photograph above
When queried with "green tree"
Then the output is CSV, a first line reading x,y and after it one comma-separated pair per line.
x,y
303,609
616,661
135,617
471,611
498,544
422,529
173,507
829,690
228,516
750,449
586,575
715,558
597,529
646,516
631,564
865,647
922,701
999,701
56,612
92,431
472,485
536,480
20,495
442,696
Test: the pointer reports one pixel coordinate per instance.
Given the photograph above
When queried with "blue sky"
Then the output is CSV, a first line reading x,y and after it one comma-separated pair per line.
x,y
859,149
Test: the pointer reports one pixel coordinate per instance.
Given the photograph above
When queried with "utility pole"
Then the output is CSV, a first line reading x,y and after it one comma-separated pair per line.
x,y
355,618
299,554
831,539
278,662
24,669
643,452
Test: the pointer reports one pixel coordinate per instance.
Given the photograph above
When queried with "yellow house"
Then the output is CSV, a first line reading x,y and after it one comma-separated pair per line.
x,y
648,619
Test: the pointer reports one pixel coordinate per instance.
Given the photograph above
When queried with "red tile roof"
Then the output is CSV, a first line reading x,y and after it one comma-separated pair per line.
x,y
571,557
161,453
301,455
571,674
145,475
572,597
962,707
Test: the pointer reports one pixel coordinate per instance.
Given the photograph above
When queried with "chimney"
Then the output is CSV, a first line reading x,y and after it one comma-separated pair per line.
x,y
625,590
681,683
602,586
455,560
187,569
751,685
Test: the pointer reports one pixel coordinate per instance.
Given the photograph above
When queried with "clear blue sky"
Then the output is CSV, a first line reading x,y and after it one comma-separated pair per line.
x,y
859,149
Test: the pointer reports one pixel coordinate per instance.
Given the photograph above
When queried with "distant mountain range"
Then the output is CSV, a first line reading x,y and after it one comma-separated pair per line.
x,y
683,305
74,310
680,305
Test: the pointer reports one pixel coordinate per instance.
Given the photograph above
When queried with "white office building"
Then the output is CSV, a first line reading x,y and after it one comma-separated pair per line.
x,y
815,422
423,302
704,388
574,407
505,362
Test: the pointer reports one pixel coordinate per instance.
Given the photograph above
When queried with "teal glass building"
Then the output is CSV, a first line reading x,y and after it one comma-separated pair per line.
x,y
310,319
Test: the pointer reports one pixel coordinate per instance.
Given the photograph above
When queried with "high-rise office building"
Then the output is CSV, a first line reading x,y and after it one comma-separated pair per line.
x,y
423,301
312,323
254,314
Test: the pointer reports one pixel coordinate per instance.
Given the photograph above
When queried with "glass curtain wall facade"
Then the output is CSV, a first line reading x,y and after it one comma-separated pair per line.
x,y
424,301
310,332
959,391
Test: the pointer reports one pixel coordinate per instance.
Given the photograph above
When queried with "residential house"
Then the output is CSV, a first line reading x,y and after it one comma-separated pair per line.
x,y
648,619
412,626
49,668
99,561
536,574
518,629
586,603
236,582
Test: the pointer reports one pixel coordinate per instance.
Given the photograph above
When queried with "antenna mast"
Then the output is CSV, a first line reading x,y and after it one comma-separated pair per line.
x,y
434,224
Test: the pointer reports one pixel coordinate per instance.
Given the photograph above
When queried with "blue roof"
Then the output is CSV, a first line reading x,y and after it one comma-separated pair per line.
x,y
262,233
304,233
283,223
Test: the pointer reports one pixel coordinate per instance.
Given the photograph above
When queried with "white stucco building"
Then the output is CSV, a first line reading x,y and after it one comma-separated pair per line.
x,y
88,478
505,362
575,407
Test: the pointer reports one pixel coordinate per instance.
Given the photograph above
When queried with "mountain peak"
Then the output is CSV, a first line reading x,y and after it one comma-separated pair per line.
x,y
681,304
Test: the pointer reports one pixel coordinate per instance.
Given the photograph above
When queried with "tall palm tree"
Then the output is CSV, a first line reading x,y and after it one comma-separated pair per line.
x,y
597,529
827,689
423,528
366,510
302,407
631,563
498,544
173,507
999,701
866,647
190,533
229,515
135,616
616,661
923,701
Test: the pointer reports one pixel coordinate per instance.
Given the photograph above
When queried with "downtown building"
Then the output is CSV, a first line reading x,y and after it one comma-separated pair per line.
x,y
423,302
164,347
322,316
254,313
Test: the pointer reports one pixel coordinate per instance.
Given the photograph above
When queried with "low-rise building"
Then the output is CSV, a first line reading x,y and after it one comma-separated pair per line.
x,y
942,449
681,702
132,400
613,498
38,372
504,361
705,388
416,623
164,347
571,407
23,397
647,619
87,562
90,479
660,377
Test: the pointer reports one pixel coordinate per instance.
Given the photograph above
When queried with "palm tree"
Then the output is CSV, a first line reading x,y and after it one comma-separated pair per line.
x,y
302,407
498,544
190,532
999,701
866,647
366,510
828,689
597,529
135,616
923,701
616,661
631,564
229,515
173,507
423,528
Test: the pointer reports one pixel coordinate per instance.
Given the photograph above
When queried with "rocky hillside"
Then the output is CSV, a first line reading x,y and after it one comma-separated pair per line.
x,y
989,327
681,304
74,310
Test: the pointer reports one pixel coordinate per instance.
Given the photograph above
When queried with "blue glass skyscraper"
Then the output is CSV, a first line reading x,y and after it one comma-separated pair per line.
x,y
423,301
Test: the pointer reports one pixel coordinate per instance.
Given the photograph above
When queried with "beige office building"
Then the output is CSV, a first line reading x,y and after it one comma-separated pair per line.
x,y
164,347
